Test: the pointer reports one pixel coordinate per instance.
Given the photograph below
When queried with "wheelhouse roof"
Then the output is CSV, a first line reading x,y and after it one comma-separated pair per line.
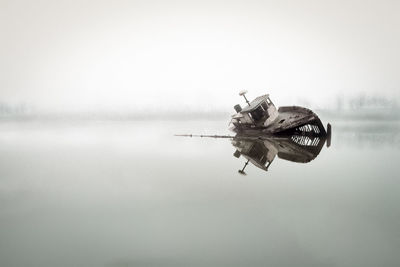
x,y
255,104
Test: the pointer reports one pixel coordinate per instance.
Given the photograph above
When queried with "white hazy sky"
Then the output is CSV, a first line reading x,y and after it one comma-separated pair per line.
x,y
195,54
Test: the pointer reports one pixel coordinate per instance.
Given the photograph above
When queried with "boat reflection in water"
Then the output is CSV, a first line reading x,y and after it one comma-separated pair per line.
x,y
261,151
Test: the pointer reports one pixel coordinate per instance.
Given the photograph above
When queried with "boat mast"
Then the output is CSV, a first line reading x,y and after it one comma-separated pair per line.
x,y
243,93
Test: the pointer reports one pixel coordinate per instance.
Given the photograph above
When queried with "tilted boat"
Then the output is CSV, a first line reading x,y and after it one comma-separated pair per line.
x,y
260,116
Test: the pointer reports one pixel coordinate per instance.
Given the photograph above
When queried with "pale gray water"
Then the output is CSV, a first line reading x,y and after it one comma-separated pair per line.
x,y
129,193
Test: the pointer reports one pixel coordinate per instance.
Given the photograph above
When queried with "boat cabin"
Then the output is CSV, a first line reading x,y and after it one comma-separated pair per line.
x,y
259,111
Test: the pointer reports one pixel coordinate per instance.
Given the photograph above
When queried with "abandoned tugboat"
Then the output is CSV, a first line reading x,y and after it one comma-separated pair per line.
x,y
263,132
262,117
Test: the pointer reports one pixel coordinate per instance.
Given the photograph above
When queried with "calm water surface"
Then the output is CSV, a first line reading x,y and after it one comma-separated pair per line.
x,y
131,194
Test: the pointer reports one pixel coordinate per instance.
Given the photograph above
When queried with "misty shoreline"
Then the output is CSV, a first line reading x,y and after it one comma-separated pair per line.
x,y
361,115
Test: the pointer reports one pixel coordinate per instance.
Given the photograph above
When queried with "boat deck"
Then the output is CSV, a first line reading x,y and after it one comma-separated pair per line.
x,y
289,118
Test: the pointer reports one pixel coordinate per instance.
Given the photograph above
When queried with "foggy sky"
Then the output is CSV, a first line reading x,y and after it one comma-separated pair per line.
x,y
195,54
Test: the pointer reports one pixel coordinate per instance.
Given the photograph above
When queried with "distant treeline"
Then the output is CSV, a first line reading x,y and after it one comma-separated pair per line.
x,y
363,101
359,107
13,109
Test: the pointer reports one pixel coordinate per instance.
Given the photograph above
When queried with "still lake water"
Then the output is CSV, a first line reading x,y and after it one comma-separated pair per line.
x,y
129,193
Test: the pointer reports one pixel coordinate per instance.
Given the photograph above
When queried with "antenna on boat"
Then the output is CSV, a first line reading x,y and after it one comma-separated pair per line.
x,y
243,93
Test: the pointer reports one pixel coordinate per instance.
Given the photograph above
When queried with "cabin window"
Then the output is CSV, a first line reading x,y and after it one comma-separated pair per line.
x,y
257,114
264,105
